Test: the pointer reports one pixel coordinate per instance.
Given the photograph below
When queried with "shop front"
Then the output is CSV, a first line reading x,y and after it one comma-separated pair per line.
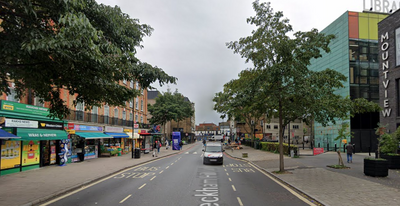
x,y
128,142
86,142
117,144
39,141
10,152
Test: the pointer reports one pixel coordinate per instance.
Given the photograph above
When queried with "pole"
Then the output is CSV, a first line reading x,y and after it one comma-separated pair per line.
x,y
133,133
289,137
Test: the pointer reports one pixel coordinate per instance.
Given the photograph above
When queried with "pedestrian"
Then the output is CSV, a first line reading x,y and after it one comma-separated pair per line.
x,y
350,151
180,145
166,144
155,149
158,146
229,141
204,142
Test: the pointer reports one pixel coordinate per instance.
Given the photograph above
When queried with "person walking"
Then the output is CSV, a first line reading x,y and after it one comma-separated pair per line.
x,y
155,149
204,142
180,145
350,151
166,144
158,146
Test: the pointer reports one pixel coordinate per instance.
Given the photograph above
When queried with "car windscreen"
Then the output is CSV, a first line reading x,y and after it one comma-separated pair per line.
x,y
213,149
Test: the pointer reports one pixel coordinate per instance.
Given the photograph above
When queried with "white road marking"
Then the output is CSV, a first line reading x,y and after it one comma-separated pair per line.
x,y
225,170
186,152
240,201
227,174
230,180
194,152
172,163
153,178
161,171
167,167
233,187
142,186
125,199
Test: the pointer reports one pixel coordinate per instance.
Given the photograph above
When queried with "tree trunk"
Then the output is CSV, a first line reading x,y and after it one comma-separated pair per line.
x,y
340,158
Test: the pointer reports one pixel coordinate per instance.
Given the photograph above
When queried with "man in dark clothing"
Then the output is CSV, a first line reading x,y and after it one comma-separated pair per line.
x,y
350,151
180,145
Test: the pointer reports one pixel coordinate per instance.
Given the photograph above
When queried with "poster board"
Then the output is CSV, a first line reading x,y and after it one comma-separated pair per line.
x,y
176,138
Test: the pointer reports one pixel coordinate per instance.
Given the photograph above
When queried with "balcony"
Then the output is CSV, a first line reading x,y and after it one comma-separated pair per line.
x,y
86,117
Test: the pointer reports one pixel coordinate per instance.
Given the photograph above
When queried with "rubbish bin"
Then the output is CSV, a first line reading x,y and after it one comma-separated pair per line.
x,y
119,151
137,153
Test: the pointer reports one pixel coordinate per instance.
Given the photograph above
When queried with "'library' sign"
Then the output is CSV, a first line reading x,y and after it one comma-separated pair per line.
x,y
384,6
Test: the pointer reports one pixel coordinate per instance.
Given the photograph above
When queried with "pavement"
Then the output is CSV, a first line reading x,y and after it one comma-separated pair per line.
x,y
308,174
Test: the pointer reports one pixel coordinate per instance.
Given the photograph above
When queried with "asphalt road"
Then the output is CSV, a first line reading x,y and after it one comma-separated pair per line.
x,y
183,180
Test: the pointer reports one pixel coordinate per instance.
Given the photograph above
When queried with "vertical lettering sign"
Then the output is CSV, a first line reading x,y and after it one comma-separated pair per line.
x,y
385,6
385,68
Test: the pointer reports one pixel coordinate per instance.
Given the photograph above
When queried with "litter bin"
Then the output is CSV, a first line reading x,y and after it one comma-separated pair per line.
x,y
119,151
137,153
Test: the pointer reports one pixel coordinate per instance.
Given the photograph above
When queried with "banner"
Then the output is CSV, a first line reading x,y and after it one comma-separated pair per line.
x,y
176,138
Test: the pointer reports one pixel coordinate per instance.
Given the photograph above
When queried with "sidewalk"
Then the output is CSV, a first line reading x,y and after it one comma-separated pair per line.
x,y
23,188
310,175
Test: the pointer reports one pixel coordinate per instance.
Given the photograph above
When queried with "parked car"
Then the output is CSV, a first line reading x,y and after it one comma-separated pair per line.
x,y
213,153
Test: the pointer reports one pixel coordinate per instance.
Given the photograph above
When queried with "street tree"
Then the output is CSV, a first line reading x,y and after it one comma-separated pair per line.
x,y
242,100
169,106
81,46
281,58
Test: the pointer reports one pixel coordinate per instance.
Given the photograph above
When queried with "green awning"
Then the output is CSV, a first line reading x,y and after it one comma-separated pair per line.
x,y
17,115
93,135
41,134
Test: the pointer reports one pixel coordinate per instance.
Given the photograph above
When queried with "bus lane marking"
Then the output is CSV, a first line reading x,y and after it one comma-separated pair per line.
x,y
240,201
125,199
233,187
142,186
153,178
230,180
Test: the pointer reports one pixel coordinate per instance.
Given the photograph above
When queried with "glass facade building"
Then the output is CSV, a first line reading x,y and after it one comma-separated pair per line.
x,y
354,53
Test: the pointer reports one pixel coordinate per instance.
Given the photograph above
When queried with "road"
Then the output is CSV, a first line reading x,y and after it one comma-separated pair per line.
x,y
183,180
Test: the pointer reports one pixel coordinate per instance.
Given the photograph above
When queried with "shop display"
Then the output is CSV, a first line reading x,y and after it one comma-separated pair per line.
x,y
10,154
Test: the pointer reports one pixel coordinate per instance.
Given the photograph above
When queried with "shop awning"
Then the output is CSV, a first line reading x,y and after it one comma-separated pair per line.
x,y
41,134
117,135
7,135
93,135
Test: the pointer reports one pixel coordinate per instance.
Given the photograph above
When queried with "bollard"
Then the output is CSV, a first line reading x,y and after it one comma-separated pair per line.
x,y
319,144
335,148
327,147
344,148
303,145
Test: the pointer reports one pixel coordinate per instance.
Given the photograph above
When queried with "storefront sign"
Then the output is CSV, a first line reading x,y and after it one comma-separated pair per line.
x,y
114,129
21,123
384,6
136,126
24,108
71,125
88,128
70,131
385,68
50,125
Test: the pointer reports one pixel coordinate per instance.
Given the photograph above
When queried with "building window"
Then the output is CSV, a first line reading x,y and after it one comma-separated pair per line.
x,y
137,103
141,119
124,81
141,105
275,126
268,127
39,102
106,110
130,116
79,111
397,40
295,126
398,96
12,96
131,84
131,104
116,112
136,118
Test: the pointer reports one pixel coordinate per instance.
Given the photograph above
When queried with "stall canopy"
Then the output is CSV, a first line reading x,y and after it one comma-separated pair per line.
x,y
7,135
41,134
92,135
117,135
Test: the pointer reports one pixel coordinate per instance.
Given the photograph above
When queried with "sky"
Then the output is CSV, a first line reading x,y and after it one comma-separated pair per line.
x,y
190,36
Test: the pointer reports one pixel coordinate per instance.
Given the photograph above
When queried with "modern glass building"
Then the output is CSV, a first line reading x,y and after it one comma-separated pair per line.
x,y
354,53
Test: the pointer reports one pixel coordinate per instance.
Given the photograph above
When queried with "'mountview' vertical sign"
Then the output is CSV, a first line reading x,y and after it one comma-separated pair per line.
x,y
385,68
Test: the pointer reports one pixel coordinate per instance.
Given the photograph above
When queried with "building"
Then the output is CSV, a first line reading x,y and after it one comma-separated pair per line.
x,y
206,129
355,54
389,70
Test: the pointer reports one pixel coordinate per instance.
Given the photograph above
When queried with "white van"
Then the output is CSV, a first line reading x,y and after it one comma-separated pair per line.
x,y
217,138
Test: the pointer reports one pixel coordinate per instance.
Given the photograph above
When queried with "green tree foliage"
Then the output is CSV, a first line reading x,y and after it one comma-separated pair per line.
x,y
281,59
170,106
242,100
79,45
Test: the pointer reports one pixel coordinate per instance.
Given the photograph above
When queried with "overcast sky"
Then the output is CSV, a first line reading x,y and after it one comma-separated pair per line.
x,y
190,36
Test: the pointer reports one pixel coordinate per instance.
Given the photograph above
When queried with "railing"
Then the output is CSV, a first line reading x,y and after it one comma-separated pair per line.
x,y
102,119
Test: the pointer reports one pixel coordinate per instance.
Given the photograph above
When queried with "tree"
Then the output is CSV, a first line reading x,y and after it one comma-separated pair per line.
x,y
343,133
242,100
169,106
81,46
281,60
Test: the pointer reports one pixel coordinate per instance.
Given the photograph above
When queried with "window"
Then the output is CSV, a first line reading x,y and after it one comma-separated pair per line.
x,y
123,115
141,105
130,116
116,112
79,110
268,126
397,40
398,96
39,102
94,113
131,84
12,96
124,81
275,126
106,110
136,118
141,119
131,104
137,103
137,85
80,106
295,126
